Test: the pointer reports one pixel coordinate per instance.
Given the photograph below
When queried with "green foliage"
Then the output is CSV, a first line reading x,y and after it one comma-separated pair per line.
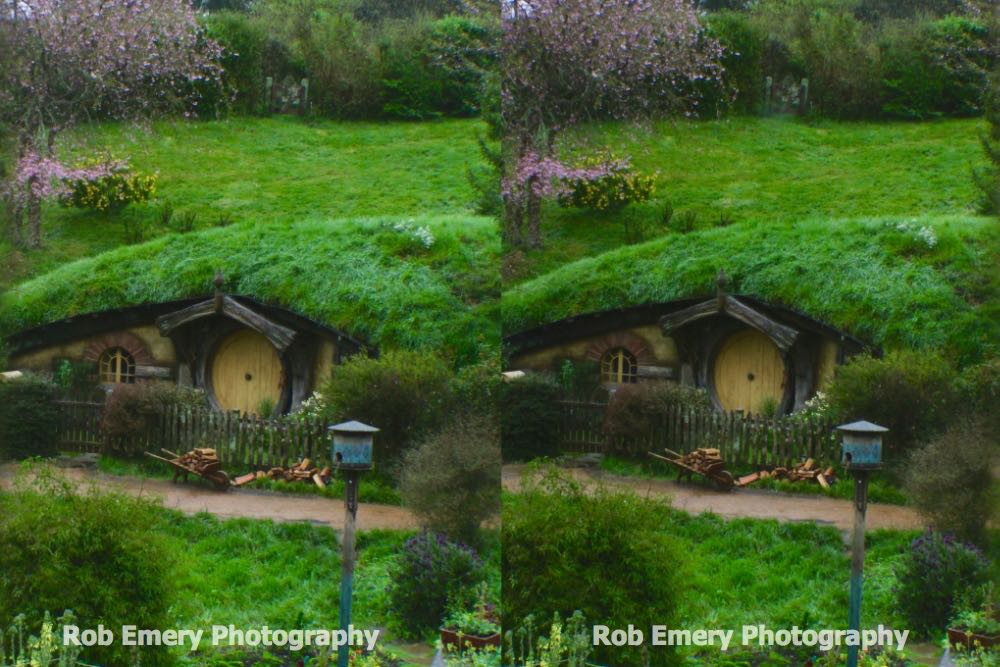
x,y
529,417
76,378
935,68
430,574
475,388
42,649
132,410
910,393
99,554
987,179
581,380
29,418
244,43
403,393
110,192
936,573
950,481
451,479
567,644
557,535
610,191
341,65
741,89
980,389
342,273
635,409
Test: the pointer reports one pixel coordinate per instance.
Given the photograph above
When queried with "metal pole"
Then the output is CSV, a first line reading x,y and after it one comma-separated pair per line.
x,y
857,558
347,571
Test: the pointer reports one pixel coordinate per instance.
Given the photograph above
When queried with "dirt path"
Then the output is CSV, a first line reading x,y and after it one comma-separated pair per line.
x,y
743,502
192,498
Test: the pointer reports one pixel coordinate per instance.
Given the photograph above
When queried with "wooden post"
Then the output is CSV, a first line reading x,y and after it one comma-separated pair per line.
x,y
347,570
857,559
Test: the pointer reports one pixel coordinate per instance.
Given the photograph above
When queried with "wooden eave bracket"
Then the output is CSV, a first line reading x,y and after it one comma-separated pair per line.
x,y
783,336
280,336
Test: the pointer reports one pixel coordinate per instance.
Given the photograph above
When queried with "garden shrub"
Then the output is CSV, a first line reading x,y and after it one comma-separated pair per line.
x,y
581,380
431,573
635,409
342,67
988,178
979,386
958,496
405,394
410,87
606,183
744,43
475,388
132,410
107,184
936,573
29,418
461,51
451,480
935,68
558,542
99,554
244,48
530,416
910,393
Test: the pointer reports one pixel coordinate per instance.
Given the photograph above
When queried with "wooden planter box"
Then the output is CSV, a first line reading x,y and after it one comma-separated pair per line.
x,y
970,639
451,638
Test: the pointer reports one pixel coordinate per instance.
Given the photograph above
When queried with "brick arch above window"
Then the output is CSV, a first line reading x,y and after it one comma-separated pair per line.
x,y
123,339
635,345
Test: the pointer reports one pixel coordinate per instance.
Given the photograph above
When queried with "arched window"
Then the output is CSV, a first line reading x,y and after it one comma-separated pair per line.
x,y
618,366
117,366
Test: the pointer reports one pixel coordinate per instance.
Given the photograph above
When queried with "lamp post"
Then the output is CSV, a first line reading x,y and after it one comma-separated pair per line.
x,y
352,454
861,452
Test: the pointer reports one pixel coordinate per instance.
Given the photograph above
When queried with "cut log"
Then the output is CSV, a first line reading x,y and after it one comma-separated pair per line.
x,y
244,479
822,481
319,481
748,479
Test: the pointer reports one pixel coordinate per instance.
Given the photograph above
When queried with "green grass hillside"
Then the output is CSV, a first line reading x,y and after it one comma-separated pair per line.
x,y
262,170
767,170
374,278
878,279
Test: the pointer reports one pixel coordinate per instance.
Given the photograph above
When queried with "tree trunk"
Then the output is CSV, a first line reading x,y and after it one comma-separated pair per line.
x,y
534,212
513,218
17,221
33,207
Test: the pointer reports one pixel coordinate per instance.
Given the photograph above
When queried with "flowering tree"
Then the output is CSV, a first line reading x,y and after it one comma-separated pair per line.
x,y
68,61
570,61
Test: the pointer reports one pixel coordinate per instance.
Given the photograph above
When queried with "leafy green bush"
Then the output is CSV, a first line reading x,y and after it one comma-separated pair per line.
x,y
530,417
635,409
607,184
980,390
581,380
910,393
429,574
744,43
451,480
132,410
244,46
99,554
988,178
558,542
461,51
108,184
29,418
475,388
934,575
341,65
405,394
960,496
935,68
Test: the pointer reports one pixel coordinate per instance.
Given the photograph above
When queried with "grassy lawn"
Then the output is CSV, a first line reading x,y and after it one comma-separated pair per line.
x,y
866,276
364,276
263,171
774,171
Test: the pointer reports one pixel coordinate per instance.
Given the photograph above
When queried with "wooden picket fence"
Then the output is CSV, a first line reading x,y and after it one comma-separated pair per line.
x,y
241,441
743,440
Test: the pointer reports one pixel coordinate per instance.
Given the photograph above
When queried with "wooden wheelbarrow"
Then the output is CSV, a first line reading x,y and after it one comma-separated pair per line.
x,y
702,462
200,462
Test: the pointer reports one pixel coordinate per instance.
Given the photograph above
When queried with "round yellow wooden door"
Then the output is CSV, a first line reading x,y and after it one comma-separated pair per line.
x,y
749,372
246,372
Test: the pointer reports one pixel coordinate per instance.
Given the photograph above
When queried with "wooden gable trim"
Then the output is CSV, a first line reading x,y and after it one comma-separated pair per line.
x,y
280,336
783,336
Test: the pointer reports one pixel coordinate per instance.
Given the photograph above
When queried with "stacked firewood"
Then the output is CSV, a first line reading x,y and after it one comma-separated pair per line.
x,y
704,460
201,459
303,471
804,472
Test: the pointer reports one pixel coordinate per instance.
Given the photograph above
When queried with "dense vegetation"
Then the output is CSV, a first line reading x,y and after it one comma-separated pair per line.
x,y
374,279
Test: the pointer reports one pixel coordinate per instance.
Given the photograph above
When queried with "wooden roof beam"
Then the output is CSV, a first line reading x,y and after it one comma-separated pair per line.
x,y
783,336
280,336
